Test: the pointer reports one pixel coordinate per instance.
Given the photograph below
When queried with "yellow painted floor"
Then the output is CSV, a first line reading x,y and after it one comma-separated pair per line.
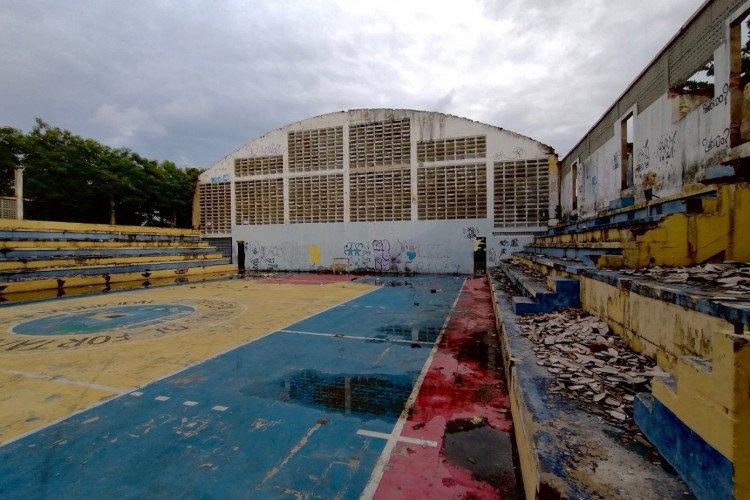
x,y
44,378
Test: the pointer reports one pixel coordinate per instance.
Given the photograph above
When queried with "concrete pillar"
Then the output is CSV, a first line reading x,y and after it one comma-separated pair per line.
x,y
19,192
554,190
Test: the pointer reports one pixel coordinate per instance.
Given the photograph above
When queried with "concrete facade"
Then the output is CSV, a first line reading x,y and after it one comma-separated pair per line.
x,y
378,190
661,138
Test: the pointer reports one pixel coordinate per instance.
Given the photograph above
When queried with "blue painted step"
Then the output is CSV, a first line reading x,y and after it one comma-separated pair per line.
x,y
538,298
126,268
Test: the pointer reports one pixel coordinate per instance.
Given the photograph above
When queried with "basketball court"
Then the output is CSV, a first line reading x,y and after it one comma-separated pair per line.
x,y
228,389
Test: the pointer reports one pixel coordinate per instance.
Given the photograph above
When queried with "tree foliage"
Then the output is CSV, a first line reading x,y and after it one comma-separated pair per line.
x,y
74,179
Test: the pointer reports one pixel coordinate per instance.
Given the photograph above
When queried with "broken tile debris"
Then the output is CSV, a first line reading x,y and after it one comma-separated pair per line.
x,y
591,365
728,277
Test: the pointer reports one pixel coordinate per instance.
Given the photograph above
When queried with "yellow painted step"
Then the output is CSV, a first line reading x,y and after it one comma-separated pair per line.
x,y
76,281
87,262
26,245
36,225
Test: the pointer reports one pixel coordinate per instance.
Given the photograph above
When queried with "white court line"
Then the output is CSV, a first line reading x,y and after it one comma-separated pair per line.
x,y
383,435
385,455
354,337
66,381
197,363
302,442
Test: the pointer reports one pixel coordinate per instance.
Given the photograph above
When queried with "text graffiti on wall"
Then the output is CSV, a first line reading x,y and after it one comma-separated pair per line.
x,y
515,154
268,150
471,233
722,98
263,257
720,141
358,254
382,250
642,158
665,148
506,247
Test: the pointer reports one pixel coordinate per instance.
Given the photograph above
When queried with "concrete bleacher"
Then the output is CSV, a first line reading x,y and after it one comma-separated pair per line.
x,y
540,295
662,232
697,332
40,255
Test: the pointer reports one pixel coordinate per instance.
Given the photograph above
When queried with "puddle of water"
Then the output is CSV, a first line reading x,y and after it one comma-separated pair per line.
x,y
411,333
374,394
486,452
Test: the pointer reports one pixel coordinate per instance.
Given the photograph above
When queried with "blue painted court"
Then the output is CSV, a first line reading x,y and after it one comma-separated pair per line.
x,y
304,411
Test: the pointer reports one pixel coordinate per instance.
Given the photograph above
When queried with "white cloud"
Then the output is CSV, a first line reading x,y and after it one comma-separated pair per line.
x,y
193,80
124,125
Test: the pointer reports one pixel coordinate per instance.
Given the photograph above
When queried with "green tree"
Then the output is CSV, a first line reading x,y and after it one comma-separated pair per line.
x,y
11,153
71,178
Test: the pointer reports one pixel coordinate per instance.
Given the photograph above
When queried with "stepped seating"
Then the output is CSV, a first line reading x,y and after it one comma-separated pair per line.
x,y
658,233
540,294
556,440
37,255
696,331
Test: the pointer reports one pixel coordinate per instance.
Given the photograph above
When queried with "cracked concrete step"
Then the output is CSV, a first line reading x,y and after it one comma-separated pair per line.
x,y
558,292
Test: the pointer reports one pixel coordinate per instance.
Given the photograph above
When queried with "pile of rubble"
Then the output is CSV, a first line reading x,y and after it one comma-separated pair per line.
x,y
591,365
730,277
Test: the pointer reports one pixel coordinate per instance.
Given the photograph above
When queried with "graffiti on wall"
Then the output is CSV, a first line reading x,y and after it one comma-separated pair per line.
x,y
642,158
262,257
616,161
665,147
382,251
265,150
504,248
471,232
359,255
407,251
718,141
714,103
381,255
219,178
514,154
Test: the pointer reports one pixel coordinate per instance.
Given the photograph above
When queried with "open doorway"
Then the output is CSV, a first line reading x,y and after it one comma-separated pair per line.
x,y
241,258
480,256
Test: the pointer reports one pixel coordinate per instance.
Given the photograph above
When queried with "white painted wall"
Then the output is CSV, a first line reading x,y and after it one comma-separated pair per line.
x,y
443,246
670,150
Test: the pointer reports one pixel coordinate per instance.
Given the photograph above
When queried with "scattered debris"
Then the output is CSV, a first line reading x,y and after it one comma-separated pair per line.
x,y
591,364
729,276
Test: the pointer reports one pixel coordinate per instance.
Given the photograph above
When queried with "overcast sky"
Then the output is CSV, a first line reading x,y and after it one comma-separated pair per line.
x,y
193,80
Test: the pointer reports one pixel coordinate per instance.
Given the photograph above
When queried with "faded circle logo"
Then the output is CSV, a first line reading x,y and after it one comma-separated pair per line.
x,y
104,319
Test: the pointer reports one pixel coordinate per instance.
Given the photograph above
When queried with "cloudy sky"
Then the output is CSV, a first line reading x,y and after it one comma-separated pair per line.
x,y
192,80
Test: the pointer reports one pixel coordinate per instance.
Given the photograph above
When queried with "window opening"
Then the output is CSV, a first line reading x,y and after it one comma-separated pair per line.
x,y
626,152
739,75
574,185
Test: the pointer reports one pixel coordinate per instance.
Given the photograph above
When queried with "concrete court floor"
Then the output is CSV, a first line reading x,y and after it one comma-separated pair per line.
x,y
286,388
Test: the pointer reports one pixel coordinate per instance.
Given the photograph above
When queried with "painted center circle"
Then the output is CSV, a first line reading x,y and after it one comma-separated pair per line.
x,y
103,319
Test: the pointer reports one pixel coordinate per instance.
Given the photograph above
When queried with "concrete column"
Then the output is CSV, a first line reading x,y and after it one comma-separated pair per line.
x,y
19,192
554,189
